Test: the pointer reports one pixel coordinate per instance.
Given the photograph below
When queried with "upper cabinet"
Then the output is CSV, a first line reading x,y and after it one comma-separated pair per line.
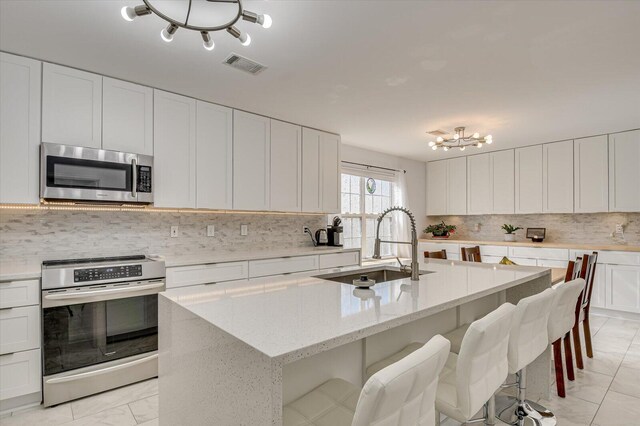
x,y
127,117
528,179
591,175
286,167
214,162
251,154
437,177
71,106
19,129
320,171
174,171
479,185
557,177
624,172
502,181
457,186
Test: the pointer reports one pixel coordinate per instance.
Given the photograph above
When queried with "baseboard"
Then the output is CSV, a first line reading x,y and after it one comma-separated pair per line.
x,y
20,402
614,314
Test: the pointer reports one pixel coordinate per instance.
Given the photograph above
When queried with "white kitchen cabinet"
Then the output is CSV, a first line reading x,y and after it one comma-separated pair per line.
x,y
502,181
20,329
282,265
557,177
622,283
251,161
591,175
320,171
598,294
286,167
337,260
214,156
528,179
127,117
452,249
624,172
479,186
184,276
19,129
19,293
437,192
457,186
71,106
20,374
174,171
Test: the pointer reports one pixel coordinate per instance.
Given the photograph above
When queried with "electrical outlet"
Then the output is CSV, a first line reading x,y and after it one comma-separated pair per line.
x,y
619,228
211,231
244,230
174,231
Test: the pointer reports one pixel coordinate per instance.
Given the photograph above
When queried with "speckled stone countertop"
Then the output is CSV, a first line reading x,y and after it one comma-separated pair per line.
x,y
288,318
604,247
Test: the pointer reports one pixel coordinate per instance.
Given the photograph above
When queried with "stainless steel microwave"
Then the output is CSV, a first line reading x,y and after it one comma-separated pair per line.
x,y
86,174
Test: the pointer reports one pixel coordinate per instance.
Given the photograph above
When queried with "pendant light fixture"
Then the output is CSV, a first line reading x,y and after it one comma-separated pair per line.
x,y
458,140
130,13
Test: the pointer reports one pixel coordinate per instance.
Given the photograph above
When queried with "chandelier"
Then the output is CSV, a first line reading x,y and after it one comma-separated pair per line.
x,y
130,13
458,140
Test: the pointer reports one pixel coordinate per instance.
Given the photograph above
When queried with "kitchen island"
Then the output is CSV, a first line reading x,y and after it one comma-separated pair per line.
x,y
233,353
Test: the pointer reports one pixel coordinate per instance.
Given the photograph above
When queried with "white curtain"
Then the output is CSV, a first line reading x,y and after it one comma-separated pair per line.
x,y
401,224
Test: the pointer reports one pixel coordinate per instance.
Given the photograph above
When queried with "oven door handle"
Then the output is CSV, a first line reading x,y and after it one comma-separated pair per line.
x,y
110,291
134,185
88,374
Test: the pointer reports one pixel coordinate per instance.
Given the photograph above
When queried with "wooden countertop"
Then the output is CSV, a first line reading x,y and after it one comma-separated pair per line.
x,y
605,247
557,275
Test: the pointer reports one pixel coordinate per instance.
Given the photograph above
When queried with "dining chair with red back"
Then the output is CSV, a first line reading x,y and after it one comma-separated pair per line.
x,y
471,254
440,254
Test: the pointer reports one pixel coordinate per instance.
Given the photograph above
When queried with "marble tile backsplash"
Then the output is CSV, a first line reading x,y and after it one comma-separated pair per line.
x,y
48,234
561,228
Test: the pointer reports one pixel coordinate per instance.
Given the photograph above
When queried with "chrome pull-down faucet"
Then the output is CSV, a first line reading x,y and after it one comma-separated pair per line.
x,y
415,271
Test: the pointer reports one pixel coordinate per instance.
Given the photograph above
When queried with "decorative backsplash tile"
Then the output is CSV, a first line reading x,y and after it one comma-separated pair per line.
x,y
593,228
49,234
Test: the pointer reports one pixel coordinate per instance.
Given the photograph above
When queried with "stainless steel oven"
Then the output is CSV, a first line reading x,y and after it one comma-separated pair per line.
x,y
87,174
99,324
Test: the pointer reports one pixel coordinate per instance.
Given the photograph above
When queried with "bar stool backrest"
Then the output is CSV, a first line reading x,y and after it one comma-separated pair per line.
x,y
482,362
562,317
471,254
404,393
440,254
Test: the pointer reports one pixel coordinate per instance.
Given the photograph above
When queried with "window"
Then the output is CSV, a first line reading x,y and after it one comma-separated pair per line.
x,y
363,199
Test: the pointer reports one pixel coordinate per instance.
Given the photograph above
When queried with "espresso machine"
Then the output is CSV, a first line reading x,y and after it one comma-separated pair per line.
x,y
335,238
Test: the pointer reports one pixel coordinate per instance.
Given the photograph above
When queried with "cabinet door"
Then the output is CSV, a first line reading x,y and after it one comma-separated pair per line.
x,y
591,175
529,179
71,106
479,185
286,167
457,186
623,288
624,172
20,374
311,188
174,171
214,152
330,172
127,117
437,188
557,177
502,181
598,294
19,129
251,152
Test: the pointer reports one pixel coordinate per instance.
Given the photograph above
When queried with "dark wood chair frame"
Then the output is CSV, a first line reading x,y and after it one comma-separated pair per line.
x,y
471,254
440,254
588,272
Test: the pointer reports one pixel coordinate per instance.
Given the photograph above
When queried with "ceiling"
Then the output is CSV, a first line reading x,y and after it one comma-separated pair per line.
x,y
380,73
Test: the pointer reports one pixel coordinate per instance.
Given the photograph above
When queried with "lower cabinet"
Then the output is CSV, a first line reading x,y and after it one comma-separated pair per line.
x,y
282,265
622,288
184,276
19,375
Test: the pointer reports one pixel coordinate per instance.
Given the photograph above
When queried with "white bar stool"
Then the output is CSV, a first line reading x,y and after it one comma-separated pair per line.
x,y
402,394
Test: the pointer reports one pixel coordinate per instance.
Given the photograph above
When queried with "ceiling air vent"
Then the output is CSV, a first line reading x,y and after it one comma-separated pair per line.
x,y
236,61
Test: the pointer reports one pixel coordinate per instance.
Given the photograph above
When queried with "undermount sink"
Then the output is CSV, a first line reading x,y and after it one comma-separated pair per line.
x,y
379,274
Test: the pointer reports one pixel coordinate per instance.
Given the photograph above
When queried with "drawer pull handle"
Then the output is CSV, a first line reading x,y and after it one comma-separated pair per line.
x,y
79,376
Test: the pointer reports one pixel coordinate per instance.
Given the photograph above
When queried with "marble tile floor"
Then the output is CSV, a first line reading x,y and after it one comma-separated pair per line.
x,y
605,393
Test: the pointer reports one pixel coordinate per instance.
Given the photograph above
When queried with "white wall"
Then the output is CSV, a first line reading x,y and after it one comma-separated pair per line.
x,y
415,177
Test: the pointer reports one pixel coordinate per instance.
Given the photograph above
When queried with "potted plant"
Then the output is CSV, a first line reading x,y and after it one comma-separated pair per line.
x,y
510,232
440,230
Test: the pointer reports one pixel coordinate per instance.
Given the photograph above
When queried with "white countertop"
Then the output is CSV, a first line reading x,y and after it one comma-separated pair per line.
x,y
230,256
289,317
20,270
576,246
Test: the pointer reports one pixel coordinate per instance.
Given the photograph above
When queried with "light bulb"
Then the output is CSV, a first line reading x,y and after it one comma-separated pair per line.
x,y
446,148
456,136
476,135
479,145
245,39
128,14
462,148
167,33
265,20
432,143
489,140
434,147
207,42
439,139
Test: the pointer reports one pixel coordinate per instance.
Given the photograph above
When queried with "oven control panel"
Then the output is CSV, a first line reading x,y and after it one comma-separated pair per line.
x,y
107,273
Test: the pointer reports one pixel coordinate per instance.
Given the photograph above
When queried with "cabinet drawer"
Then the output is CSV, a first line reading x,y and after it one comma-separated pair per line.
x,y
19,293
549,263
282,265
491,259
205,274
524,261
612,257
452,249
19,329
494,251
622,283
336,260
539,253
19,374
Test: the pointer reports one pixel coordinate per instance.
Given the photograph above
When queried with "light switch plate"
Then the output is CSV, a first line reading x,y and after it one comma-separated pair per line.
x,y
174,231
244,230
211,230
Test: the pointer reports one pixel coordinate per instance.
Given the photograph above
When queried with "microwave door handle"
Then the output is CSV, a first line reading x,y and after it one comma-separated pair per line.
x,y
134,186
82,294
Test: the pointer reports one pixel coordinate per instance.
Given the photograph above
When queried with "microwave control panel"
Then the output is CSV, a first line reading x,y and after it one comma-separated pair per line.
x,y
144,179
106,273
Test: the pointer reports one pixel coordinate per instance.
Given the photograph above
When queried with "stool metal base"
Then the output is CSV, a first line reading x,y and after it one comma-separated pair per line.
x,y
510,411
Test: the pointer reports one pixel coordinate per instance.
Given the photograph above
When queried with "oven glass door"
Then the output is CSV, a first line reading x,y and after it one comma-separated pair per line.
x,y
85,334
64,172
